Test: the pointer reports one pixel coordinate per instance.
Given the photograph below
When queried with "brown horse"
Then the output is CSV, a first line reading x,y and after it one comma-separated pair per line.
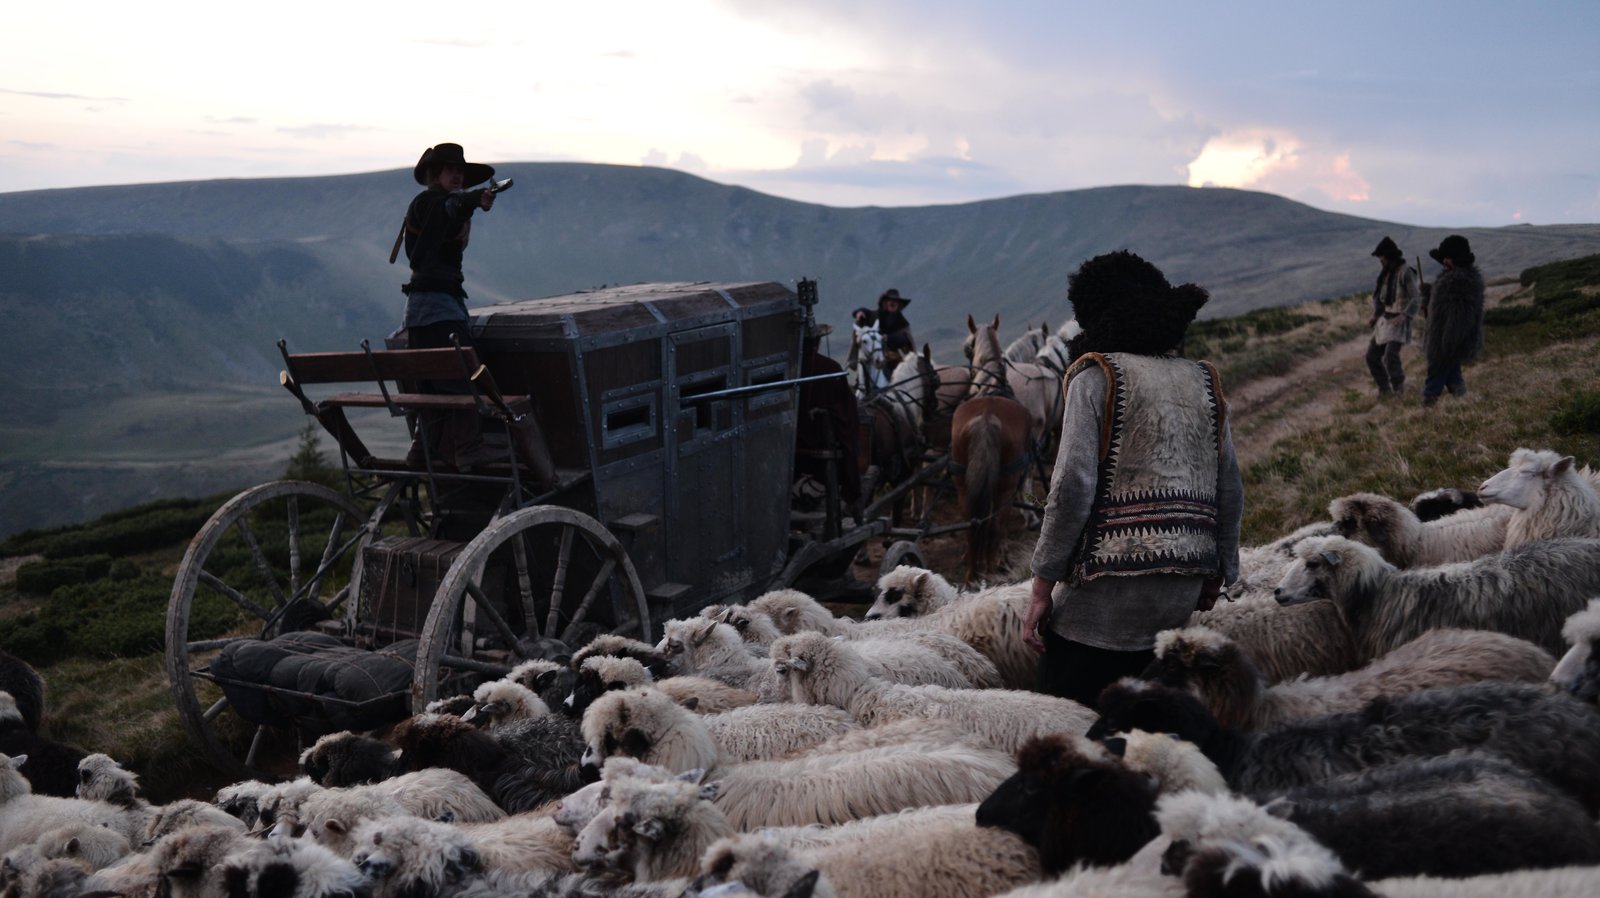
x,y
990,439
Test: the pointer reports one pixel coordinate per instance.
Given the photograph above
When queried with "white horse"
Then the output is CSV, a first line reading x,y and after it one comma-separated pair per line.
x,y
1052,355
1026,347
867,360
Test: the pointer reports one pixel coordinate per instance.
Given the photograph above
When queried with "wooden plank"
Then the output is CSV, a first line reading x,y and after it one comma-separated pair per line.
x,y
417,401
382,364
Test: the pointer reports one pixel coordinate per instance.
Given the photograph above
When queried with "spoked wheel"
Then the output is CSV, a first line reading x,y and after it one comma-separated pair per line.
x,y
902,552
273,559
538,573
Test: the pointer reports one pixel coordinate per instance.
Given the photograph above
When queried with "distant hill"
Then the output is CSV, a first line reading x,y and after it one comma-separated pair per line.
x,y
142,320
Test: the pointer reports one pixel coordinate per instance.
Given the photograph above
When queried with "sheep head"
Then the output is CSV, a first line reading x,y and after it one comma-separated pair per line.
x,y
910,591
1379,522
1129,704
819,670
754,627
647,725
601,674
291,867
793,611
502,701
411,857
1332,567
102,779
1269,868
1578,671
762,866
622,647
1075,802
1527,480
1173,764
1212,668
349,759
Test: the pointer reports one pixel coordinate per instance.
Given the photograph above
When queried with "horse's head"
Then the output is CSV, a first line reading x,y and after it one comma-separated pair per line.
x,y
986,353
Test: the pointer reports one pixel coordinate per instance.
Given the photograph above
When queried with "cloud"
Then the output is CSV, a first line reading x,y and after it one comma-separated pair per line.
x,y
35,146
49,95
456,43
231,120
323,131
1277,161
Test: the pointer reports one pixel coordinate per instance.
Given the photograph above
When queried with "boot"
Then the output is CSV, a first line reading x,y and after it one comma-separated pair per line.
x,y
1458,390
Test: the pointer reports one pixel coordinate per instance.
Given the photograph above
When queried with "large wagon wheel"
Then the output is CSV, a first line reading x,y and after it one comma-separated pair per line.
x,y
554,566
263,559
901,552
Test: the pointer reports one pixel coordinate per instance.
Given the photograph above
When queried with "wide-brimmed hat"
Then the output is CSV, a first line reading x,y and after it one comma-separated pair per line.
x,y
894,295
1388,249
451,154
1455,248
818,330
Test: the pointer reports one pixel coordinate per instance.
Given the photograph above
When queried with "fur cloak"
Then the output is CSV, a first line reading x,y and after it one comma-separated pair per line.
x,y
1455,318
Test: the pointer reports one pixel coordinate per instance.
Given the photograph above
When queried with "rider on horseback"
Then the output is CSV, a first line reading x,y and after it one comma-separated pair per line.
x,y
896,330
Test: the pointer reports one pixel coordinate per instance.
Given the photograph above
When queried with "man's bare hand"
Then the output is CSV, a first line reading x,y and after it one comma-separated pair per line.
x,y
1039,606
486,199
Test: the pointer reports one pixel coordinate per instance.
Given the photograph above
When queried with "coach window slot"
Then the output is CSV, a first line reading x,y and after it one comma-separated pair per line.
x,y
705,417
629,421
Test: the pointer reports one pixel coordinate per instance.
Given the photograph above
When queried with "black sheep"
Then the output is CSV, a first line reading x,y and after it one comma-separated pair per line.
x,y
52,767
26,687
1075,802
1545,731
439,741
350,759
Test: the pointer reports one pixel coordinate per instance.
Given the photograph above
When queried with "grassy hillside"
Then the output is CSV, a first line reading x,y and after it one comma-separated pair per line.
x,y
86,602
139,314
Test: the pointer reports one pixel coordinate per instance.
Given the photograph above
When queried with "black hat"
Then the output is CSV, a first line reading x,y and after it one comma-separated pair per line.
x,y
894,295
451,154
1388,249
1455,248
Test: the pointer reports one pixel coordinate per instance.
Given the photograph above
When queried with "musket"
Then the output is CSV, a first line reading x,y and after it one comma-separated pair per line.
x,y
494,187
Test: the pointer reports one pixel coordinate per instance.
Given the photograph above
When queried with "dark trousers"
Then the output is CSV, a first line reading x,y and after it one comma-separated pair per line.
x,y
1444,377
1077,671
451,436
1383,360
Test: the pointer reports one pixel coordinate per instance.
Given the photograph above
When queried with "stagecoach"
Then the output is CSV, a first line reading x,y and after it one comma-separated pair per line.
x,y
669,413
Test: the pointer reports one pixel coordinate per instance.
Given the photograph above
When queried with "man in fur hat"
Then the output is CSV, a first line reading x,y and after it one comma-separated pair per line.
x,y
438,224
1394,303
1455,319
896,330
1142,523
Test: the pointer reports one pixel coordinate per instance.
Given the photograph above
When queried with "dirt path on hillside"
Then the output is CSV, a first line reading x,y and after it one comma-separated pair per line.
x,y
1267,410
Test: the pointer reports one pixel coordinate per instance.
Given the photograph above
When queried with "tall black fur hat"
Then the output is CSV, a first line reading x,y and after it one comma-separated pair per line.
x,y
1125,304
451,154
1388,249
1456,249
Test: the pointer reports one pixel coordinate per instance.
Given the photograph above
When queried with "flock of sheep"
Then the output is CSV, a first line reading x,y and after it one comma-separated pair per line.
x,y
1377,710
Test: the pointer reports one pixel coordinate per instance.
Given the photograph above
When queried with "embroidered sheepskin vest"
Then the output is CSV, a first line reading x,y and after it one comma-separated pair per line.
x,y
1156,510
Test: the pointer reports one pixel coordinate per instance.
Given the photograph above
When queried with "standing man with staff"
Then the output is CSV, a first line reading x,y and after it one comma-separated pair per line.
x,y
1395,301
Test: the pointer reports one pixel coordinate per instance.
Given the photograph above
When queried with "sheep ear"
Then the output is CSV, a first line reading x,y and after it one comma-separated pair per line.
x,y
804,886
920,581
545,680
691,776
650,828
1560,467
701,634
710,791
335,826
1117,745
692,703
1279,807
18,760
471,713
800,664
1332,558
73,845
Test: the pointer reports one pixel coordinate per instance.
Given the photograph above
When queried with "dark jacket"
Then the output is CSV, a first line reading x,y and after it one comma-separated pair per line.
x,y
438,225
1455,317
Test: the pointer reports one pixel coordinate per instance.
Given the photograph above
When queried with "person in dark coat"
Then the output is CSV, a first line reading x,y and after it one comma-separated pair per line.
x,y
896,330
1455,319
438,225
827,407
1395,301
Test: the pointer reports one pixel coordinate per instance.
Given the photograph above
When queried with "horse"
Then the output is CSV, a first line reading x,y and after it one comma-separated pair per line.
x,y
990,442
898,410
867,360
1053,355
1026,347
1038,389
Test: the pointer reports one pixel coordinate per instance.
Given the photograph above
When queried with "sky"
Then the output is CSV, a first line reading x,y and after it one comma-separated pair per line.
x,y
1442,114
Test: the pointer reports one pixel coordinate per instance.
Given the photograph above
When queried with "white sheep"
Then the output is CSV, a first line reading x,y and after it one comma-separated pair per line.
x,y
1225,678
165,819
653,831
762,866
941,857
812,788
992,626
406,857
278,807
573,812
290,868
703,695
1175,765
1406,541
699,647
189,862
1552,499
331,815
1261,567
824,671
1528,591
24,817
1310,638
92,846
505,701
1561,882
242,800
